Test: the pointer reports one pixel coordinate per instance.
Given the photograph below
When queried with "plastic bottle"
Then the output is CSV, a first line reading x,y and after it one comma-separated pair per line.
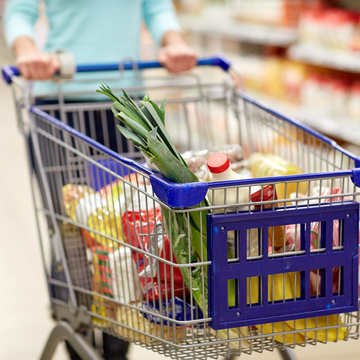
x,y
267,165
219,166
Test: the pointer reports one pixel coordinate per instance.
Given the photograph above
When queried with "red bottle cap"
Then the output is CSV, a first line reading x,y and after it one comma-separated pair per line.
x,y
218,163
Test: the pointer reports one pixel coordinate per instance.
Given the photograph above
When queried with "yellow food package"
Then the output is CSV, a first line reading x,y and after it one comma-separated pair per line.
x,y
72,195
103,308
276,292
133,319
112,191
268,165
108,222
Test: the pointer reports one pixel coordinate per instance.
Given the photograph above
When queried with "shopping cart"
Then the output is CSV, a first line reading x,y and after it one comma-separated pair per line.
x,y
109,226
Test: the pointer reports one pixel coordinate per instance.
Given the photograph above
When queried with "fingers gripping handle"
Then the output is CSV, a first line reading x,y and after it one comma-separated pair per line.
x,y
67,67
8,72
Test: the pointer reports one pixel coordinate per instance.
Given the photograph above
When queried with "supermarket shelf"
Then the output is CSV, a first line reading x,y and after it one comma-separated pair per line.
x,y
339,128
257,34
332,59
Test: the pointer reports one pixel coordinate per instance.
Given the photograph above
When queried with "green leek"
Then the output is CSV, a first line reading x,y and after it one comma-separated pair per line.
x,y
149,135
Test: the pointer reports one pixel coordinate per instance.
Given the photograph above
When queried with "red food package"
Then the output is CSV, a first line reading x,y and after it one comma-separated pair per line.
x,y
165,269
137,228
152,287
132,219
163,244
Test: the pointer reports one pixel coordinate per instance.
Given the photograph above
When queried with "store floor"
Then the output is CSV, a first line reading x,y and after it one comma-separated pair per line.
x,y
25,322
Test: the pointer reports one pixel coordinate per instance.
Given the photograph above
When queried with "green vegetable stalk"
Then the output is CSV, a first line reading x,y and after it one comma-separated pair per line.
x,y
149,135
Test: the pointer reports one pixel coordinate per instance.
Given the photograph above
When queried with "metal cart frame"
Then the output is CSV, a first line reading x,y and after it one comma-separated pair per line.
x,y
64,154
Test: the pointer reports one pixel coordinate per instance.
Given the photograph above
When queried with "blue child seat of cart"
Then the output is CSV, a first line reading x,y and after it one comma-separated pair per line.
x,y
242,271
100,178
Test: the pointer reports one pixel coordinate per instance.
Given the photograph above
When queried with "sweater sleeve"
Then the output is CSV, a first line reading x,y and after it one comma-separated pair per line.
x,y
160,17
19,19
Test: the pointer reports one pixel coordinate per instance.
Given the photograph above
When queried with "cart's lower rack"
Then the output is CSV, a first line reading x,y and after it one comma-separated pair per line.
x,y
199,342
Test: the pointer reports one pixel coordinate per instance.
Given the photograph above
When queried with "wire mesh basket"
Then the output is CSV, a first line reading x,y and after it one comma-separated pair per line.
x,y
153,262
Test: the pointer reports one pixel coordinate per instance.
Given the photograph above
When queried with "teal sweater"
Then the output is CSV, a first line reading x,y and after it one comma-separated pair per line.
x,y
94,31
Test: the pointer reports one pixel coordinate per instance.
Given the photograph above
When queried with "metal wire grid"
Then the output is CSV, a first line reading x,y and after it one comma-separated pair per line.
x,y
269,133
197,340
76,259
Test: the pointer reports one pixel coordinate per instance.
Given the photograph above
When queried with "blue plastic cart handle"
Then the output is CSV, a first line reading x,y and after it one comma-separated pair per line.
x,y
220,60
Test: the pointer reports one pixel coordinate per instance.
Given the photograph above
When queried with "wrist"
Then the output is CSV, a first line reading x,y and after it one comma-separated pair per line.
x,y
24,46
173,37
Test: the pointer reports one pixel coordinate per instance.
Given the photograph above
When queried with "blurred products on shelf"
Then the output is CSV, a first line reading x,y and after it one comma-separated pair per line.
x,y
292,10
273,76
336,95
267,12
331,28
274,12
298,55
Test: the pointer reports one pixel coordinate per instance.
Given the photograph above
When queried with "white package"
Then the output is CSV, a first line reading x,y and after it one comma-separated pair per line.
x,y
125,280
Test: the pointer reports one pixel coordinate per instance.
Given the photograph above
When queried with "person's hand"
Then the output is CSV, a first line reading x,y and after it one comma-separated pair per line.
x,y
33,64
177,57
175,54
37,65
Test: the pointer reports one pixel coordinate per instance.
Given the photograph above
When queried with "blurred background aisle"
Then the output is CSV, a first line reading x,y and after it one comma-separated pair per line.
x,y
302,56
291,55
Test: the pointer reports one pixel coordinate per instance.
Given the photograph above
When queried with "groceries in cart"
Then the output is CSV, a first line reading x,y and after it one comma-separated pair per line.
x,y
277,238
144,231
138,328
197,160
189,244
281,240
263,256
293,235
220,170
101,210
125,213
283,288
72,194
264,165
177,310
115,273
149,135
